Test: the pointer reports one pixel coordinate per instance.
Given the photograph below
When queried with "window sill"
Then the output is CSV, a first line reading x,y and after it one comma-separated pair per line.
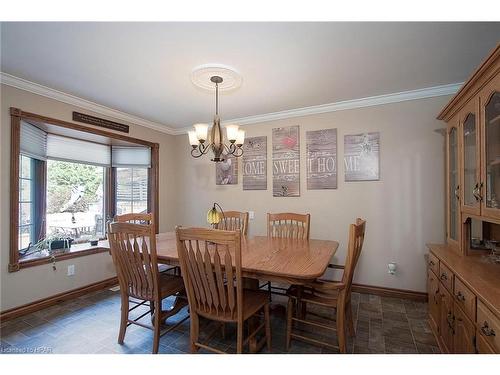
x,y
76,251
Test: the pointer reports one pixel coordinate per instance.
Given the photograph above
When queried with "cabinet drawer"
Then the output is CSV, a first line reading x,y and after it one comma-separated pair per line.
x,y
463,333
488,326
465,299
433,263
482,346
446,277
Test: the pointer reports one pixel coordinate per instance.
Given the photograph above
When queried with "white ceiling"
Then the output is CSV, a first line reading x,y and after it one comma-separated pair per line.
x,y
144,68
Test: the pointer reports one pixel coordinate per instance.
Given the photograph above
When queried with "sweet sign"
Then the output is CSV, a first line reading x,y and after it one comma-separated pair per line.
x,y
361,157
286,162
255,163
321,148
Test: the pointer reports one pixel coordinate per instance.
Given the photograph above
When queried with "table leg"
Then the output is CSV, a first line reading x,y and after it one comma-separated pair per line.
x,y
179,303
253,323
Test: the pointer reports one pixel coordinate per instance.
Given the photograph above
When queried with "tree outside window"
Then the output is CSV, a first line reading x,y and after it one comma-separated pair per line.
x,y
75,200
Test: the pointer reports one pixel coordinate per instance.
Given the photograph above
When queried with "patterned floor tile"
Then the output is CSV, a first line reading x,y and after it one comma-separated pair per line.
x,y
89,324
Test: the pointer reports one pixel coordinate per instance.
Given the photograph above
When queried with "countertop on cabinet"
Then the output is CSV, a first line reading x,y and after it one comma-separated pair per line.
x,y
475,272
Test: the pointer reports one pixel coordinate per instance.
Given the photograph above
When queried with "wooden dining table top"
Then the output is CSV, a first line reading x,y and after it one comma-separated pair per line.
x,y
274,259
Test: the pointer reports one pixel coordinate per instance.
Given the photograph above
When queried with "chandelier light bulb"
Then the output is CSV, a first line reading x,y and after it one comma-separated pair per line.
x,y
201,132
240,139
232,132
193,139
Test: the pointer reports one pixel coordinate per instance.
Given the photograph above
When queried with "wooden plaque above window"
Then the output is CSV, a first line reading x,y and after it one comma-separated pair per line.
x,y
97,121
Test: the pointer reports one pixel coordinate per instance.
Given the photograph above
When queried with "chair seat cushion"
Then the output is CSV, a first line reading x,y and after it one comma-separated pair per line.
x,y
170,284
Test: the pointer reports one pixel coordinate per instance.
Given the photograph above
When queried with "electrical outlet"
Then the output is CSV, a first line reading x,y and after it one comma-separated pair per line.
x,y
251,215
71,270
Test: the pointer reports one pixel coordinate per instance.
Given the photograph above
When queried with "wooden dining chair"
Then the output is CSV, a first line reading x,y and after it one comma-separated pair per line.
x,y
286,225
133,249
234,220
145,218
328,294
211,264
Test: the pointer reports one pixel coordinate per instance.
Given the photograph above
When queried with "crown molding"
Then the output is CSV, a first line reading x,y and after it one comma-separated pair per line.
x,y
35,88
428,92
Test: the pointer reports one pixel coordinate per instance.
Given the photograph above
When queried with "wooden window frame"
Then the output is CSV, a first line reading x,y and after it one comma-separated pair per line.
x,y
16,116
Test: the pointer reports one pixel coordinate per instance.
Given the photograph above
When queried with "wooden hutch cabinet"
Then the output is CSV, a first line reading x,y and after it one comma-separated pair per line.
x,y
463,278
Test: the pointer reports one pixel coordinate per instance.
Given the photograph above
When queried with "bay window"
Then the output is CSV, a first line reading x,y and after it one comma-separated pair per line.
x,y
70,180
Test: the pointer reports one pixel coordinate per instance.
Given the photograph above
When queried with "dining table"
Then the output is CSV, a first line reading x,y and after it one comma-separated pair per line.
x,y
288,260
285,260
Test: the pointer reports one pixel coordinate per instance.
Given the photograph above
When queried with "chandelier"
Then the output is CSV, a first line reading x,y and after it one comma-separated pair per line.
x,y
202,141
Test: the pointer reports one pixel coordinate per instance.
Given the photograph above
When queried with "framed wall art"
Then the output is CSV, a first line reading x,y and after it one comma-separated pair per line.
x,y
255,163
286,162
321,159
361,157
226,172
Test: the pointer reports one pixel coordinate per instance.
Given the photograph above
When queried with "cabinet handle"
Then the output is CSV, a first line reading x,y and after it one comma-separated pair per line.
x,y
475,192
486,330
480,197
451,320
456,192
431,263
460,297
443,276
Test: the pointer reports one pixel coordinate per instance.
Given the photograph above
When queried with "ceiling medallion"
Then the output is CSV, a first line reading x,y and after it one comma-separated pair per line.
x,y
231,78
202,141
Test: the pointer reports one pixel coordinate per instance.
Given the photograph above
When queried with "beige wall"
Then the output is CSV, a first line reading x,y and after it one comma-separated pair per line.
x,y
34,283
404,209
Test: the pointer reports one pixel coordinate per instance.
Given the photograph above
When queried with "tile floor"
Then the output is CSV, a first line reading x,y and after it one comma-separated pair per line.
x,y
90,323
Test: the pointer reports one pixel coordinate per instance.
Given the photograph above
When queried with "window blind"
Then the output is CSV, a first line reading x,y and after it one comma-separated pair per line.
x,y
33,142
131,157
75,150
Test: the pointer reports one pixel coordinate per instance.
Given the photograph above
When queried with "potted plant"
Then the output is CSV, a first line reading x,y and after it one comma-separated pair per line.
x,y
57,243
54,243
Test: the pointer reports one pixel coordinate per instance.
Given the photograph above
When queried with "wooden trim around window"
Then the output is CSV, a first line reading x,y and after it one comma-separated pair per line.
x,y
15,137
63,256
16,116
154,182
82,128
111,202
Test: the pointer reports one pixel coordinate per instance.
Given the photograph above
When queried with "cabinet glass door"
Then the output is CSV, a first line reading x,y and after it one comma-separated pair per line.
x,y
453,186
470,168
492,153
